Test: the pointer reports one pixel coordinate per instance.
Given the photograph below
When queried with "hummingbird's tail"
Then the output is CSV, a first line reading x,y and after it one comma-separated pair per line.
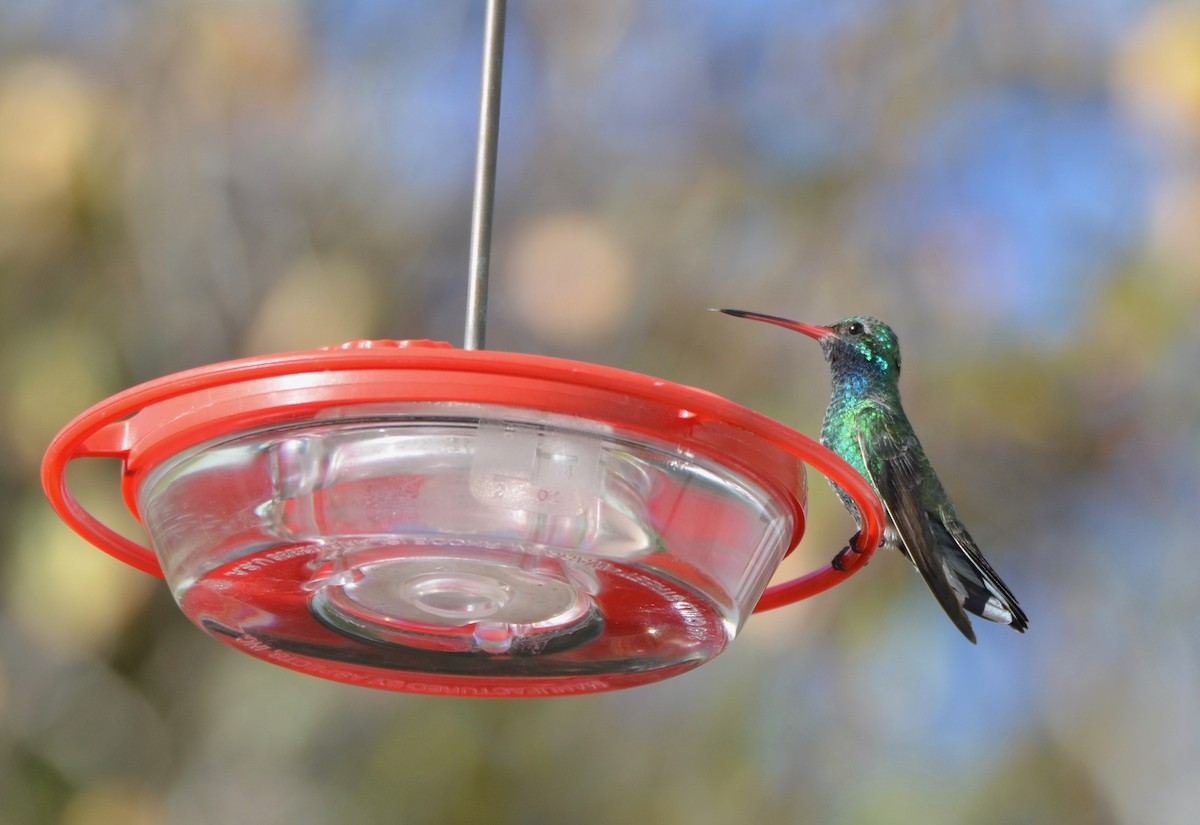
x,y
979,589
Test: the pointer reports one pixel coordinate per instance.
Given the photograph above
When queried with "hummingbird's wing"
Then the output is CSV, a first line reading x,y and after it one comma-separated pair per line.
x,y
894,470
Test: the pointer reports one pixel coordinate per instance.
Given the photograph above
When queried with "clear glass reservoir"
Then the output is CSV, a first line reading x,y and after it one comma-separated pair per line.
x,y
452,545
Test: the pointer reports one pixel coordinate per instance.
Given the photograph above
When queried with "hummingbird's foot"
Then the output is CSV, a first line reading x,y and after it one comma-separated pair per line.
x,y
839,561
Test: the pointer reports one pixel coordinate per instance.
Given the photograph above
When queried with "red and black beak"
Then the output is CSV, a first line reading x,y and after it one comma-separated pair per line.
x,y
811,330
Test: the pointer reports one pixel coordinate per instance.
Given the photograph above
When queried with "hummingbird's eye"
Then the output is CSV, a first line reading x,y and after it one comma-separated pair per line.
x,y
855,328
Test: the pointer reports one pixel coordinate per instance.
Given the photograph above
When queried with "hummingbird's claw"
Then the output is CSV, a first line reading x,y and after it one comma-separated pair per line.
x,y
839,561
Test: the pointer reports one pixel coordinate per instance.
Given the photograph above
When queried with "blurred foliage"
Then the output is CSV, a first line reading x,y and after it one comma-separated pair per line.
x,y
1014,186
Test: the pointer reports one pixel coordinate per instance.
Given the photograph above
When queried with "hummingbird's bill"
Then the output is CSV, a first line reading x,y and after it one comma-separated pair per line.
x,y
811,330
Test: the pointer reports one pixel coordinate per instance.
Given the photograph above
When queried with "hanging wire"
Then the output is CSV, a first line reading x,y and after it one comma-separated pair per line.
x,y
485,174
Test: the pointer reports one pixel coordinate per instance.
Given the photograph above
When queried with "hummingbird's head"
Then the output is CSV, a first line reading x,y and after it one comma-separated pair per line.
x,y
861,343
857,345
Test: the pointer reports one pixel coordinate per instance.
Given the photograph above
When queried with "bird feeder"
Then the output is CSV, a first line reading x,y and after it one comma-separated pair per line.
x,y
413,516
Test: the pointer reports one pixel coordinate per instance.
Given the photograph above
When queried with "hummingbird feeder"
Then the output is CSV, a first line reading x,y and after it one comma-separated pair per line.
x,y
413,516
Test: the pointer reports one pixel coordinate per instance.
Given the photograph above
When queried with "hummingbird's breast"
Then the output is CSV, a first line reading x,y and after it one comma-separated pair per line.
x,y
840,434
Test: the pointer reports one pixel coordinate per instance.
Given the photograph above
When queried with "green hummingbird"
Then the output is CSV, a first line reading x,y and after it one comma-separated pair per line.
x,y
865,425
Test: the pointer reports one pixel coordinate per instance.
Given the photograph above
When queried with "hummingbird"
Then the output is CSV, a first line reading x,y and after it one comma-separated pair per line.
x,y
866,426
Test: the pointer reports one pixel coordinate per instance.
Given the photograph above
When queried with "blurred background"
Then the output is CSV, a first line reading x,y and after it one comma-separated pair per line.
x,y
1014,186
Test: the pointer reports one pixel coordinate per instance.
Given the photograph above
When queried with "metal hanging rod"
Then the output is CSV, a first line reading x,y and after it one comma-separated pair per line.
x,y
485,174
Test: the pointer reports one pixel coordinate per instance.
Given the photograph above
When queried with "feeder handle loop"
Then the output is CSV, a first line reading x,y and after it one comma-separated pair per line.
x,y
100,440
870,535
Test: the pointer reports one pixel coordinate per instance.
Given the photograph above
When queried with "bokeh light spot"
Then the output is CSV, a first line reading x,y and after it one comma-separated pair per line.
x,y
570,279
318,302
1157,74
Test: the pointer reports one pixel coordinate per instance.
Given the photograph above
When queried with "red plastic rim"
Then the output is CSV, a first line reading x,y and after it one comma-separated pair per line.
x,y
152,421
